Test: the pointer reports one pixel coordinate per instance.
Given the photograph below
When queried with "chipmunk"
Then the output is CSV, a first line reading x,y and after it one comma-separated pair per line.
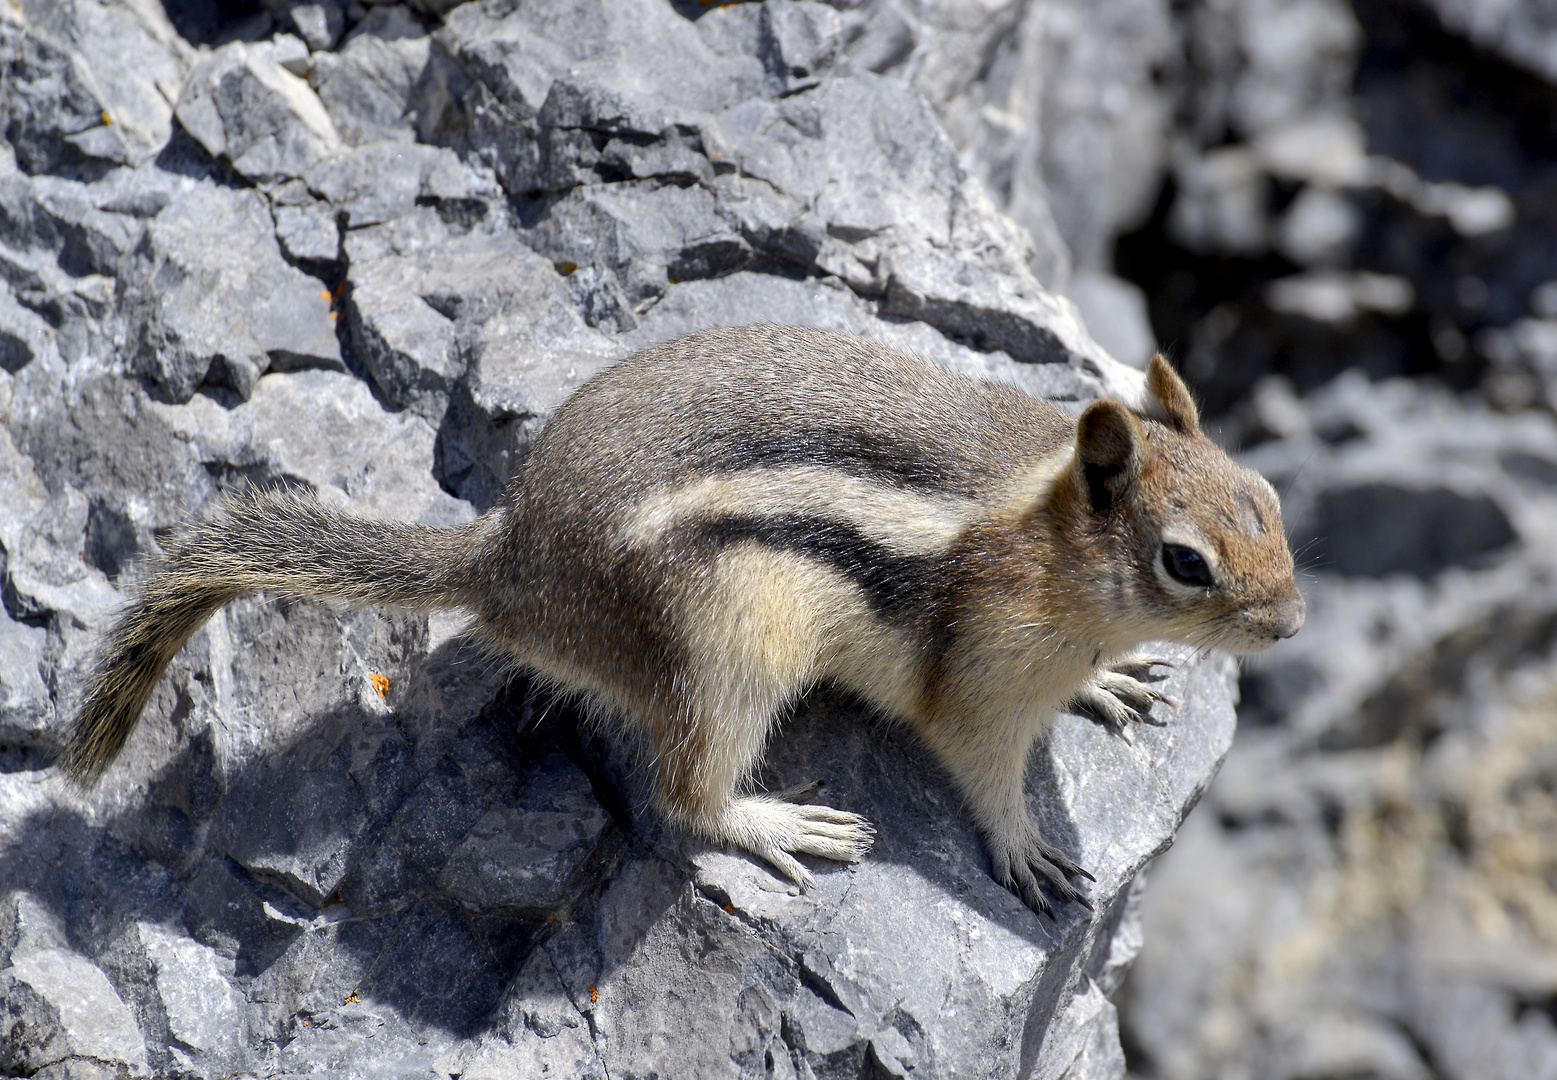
x,y
714,525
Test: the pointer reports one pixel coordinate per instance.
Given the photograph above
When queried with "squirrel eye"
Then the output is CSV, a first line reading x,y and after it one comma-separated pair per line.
x,y
1186,565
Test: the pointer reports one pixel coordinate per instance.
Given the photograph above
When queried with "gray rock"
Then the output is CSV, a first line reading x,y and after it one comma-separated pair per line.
x,y
429,308
1053,106
320,24
1299,60
1382,528
802,40
356,453
24,335
104,438
646,235
205,1012
747,298
1114,311
302,818
367,87
292,54
545,1031
309,234
1221,205
49,104
1521,32
243,107
41,534
382,182
910,225
525,857
852,176
240,918
208,297
102,478
81,1014
824,980
407,345
65,243
1321,226
611,60
26,707
90,83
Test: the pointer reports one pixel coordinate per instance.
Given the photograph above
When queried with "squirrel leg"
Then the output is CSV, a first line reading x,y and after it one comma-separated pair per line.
x,y
698,777
1121,693
989,762
756,634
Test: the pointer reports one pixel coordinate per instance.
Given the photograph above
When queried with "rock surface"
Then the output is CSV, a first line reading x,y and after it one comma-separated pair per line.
x,y
368,251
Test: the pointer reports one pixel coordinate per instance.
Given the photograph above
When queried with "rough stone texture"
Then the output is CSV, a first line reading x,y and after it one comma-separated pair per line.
x,y
738,158
207,289
367,86
244,108
88,82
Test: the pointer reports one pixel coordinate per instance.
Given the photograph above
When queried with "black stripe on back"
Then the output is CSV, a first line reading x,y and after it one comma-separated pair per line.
x,y
902,588
868,455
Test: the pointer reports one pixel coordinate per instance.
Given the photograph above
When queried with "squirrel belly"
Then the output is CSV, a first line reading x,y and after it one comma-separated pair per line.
x,y
711,527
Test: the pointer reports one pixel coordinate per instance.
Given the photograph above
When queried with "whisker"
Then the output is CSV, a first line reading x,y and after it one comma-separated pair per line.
x,y
1293,479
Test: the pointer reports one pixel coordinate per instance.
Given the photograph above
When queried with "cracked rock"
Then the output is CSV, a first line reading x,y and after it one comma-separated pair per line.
x,y
382,182
367,87
89,83
428,307
243,107
208,297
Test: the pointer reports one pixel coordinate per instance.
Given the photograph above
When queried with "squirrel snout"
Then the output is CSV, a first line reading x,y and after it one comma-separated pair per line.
x,y
1289,616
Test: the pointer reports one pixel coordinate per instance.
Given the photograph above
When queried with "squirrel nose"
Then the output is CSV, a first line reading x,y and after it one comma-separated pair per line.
x,y
1289,616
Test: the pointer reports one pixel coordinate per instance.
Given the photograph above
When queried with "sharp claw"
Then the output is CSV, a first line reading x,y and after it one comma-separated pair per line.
x,y
1086,875
1083,901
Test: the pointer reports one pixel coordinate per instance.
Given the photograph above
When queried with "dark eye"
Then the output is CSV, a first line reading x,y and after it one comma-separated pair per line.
x,y
1186,565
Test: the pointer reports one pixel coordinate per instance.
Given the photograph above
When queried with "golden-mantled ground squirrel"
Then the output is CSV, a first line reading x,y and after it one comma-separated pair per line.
x,y
714,525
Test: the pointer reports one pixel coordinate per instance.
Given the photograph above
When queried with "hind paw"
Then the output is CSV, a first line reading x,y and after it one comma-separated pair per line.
x,y
776,828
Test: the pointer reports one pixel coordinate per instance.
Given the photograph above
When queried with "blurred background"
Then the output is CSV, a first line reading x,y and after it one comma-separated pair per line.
x,y
1339,219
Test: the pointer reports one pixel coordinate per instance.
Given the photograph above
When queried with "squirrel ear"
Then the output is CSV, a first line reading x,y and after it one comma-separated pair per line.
x,y
1170,399
1110,451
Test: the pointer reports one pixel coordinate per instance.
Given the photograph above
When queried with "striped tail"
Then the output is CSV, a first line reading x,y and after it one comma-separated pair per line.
x,y
284,541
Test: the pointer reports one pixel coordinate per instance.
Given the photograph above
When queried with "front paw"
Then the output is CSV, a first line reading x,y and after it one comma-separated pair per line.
x,y
1026,865
1122,694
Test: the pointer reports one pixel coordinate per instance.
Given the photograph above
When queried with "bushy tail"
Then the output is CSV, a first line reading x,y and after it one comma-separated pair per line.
x,y
285,541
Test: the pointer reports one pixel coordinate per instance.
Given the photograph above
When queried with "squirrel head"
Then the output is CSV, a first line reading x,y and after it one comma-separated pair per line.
x,y
1190,545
